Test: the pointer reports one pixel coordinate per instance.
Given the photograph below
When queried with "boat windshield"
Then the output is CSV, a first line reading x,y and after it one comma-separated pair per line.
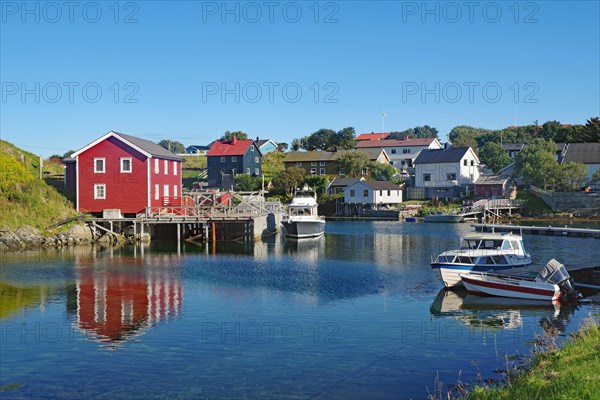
x,y
481,244
300,211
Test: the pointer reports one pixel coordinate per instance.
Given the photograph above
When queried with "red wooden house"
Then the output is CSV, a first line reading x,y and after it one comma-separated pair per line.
x,y
123,172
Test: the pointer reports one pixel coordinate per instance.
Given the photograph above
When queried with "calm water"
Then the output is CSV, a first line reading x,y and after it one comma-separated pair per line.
x,y
356,314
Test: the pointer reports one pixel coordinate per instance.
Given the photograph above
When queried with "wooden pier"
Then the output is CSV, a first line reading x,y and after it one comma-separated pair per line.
x,y
200,216
539,230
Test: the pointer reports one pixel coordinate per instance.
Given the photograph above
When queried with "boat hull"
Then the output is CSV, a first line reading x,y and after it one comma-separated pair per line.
x,y
443,218
513,288
450,274
303,229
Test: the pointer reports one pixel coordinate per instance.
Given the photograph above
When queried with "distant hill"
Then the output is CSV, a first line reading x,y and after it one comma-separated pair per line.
x,y
24,198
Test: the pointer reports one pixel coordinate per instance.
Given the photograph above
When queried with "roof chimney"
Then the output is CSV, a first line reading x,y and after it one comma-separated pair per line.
x,y
257,138
405,137
234,139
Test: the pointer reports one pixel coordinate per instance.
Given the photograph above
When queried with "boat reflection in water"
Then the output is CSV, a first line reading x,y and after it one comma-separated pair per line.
x,y
115,304
306,250
499,313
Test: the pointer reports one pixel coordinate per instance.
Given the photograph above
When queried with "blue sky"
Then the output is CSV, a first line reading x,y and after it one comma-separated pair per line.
x,y
189,70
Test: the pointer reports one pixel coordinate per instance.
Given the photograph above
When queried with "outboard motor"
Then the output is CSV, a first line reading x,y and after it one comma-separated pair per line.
x,y
555,272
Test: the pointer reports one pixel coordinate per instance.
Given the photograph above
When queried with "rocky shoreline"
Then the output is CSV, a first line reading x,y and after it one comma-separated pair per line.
x,y
28,237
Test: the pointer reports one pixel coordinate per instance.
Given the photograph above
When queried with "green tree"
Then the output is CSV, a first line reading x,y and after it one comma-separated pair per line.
x,y
570,177
425,131
382,172
239,135
296,144
288,180
410,133
537,163
282,147
317,183
465,136
172,145
323,139
247,183
494,156
592,130
344,139
352,162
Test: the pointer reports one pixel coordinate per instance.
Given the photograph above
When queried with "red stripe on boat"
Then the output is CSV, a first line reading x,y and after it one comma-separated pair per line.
x,y
510,287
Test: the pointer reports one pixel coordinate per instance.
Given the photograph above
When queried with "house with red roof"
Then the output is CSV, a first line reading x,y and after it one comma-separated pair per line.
x,y
372,136
227,158
402,152
122,172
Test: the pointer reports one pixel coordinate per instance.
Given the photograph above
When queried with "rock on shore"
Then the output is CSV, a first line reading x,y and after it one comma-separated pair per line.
x,y
29,237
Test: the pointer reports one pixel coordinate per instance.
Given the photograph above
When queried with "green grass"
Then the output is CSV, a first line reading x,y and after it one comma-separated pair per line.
x,y
24,198
272,164
30,161
572,372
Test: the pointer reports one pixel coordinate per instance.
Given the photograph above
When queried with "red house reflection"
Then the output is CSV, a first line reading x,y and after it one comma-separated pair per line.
x,y
115,304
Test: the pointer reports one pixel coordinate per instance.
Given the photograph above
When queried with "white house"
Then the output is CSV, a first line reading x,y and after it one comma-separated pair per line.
x,y
373,192
402,153
446,172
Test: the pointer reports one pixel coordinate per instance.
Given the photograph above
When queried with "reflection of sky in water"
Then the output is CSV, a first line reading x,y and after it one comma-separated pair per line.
x,y
355,314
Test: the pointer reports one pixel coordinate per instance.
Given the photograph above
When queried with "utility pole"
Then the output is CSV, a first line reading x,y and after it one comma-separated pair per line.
x,y
41,166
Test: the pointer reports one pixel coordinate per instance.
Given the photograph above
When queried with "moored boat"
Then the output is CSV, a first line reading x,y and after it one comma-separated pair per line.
x,y
550,284
481,252
303,220
443,217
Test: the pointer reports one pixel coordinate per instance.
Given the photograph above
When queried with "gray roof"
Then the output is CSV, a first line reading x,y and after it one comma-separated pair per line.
x,y
150,147
199,147
491,180
432,156
299,156
586,153
343,182
512,146
382,185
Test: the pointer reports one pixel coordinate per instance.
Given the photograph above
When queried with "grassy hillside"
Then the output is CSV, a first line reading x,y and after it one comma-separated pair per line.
x,y
24,198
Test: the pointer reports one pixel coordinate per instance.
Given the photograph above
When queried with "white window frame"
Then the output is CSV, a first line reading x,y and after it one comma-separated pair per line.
x,y
233,158
175,164
322,163
156,166
256,160
321,171
251,148
393,151
156,191
313,163
123,170
96,170
175,191
165,190
299,164
248,171
99,186
223,159
166,167
256,171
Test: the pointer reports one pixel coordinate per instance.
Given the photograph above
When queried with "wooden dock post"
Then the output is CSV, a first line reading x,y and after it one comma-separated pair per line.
x,y
214,232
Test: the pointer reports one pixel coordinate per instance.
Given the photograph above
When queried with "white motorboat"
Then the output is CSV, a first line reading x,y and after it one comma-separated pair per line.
x,y
550,284
303,220
481,252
